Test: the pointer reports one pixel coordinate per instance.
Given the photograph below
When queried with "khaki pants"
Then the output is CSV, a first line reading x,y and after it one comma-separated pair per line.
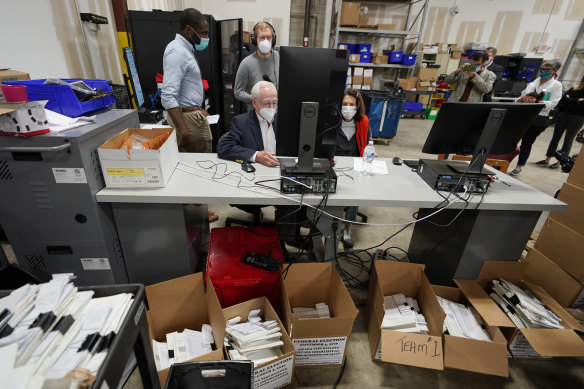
x,y
199,132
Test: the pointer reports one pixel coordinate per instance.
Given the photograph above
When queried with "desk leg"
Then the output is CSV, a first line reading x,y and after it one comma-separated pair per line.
x,y
459,250
154,240
330,230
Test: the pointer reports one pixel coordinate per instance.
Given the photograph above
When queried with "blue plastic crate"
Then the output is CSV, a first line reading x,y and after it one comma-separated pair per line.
x,y
396,56
409,59
413,106
364,47
390,111
365,57
62,98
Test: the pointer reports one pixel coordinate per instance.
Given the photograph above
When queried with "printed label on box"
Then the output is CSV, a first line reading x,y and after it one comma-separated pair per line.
x,y
95,264
378,352
579,302
520,348
70,175
148,175
319,351
275,375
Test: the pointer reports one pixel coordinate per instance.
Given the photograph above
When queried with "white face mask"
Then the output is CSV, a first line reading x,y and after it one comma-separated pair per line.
x,y
348,112
265,46
268,114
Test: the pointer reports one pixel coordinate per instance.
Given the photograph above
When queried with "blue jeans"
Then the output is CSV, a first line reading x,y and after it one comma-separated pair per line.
x,y
351,213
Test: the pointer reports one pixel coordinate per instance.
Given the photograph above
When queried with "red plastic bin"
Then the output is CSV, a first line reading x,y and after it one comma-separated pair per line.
x,y
235,281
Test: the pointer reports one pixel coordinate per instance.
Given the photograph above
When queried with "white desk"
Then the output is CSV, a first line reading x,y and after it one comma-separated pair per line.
x,y
151,221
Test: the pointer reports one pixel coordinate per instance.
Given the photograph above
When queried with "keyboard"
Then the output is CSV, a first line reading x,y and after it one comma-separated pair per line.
x,y
411,163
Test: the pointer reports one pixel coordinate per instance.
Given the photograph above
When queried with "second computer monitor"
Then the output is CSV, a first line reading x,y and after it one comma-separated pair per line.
x,y
459,126
310,75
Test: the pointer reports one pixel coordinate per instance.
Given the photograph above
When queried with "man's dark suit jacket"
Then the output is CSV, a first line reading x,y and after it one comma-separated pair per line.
x,y
498,70
243,139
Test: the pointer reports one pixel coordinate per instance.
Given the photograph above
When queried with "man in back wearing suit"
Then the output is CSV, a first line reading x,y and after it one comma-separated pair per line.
x,y
495,68
252,135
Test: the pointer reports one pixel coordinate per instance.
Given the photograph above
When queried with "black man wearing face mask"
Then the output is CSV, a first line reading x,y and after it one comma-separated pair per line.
x,y
182,89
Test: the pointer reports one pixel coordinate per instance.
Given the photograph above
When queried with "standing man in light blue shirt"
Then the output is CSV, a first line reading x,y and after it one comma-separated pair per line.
x,y
182,90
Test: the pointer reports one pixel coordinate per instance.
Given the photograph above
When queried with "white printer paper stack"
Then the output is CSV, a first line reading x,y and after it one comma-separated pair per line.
x,y
462,321
321,311
182,346
524,309
255,340
403,314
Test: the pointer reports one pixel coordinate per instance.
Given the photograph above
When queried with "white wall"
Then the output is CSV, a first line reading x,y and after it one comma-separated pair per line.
x,y
45,39
276,12
31,43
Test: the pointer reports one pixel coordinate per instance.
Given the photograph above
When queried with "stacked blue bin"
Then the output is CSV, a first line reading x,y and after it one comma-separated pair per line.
x,y
365,52
62,98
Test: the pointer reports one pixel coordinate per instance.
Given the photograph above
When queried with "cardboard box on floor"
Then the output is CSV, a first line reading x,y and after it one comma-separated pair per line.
x,y
420,350
141,168
183,303
470,354
563,246
564,288
11,75
573,217
576,176
318,342
279,372
523,342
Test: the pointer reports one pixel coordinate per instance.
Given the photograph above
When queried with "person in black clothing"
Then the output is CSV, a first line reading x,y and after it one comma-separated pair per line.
x,y
495,68
570,119
352,138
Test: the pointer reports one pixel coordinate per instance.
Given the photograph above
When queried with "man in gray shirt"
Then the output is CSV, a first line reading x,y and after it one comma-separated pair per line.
x,y
264,64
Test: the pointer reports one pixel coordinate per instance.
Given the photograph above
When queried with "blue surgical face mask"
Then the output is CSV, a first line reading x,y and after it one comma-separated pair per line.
x,y
201,46
545,74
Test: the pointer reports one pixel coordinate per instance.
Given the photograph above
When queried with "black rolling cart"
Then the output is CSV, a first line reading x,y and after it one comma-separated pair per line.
x,y
132,337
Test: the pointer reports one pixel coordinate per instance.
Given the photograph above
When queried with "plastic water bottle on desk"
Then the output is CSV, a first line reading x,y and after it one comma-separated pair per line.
x,y
368,155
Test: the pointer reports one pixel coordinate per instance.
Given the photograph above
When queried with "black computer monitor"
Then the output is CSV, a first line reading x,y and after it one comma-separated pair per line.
x,y
479,129
310,75
133,76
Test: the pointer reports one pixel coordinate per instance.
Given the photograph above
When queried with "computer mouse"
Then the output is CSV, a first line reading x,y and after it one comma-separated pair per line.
x,y
397,161
247,167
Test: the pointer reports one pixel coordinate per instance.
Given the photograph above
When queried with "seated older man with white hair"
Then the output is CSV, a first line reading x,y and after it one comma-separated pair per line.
x,y
252,135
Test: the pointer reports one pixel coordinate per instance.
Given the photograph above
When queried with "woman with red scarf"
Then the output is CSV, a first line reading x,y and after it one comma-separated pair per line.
x,y
352,138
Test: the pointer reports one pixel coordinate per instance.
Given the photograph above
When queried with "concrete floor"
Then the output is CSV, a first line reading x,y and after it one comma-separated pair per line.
x,y
360,371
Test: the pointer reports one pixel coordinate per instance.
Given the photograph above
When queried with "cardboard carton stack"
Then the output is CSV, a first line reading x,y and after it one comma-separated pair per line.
x,y
556,261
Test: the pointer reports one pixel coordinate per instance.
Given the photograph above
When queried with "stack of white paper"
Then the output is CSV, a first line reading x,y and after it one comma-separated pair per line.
x,y
320,311
53,329
255,340
403,314
182,346
523,308
462,321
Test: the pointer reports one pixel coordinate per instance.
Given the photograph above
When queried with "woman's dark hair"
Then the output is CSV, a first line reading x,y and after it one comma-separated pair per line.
x,y
360,104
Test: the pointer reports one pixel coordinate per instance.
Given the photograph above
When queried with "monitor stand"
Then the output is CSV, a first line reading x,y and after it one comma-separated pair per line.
x,y
307,164
483,147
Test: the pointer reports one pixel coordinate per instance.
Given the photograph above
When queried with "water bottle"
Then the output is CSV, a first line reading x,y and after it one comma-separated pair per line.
x,y
368,155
